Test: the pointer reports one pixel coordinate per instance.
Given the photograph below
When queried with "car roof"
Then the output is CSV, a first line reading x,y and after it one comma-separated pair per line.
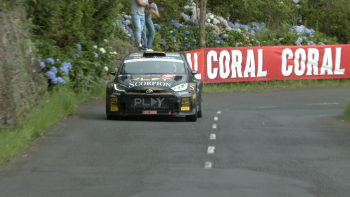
x,y
155,53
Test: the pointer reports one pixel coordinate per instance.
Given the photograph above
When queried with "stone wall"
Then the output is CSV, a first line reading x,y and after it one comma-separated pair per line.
x,y
21,82
123,50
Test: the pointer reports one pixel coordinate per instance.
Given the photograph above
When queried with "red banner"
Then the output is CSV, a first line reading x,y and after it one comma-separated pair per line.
x,y
222,65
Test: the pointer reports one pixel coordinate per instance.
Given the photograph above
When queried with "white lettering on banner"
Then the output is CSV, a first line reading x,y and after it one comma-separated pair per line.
x,y
337,70
287,53
224,71
195,67
299,71
236,63
327,62
312,59
212,73
261,73
250,65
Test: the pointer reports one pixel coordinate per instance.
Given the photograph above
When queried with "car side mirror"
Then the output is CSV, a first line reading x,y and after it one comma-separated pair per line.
x,y
194,72
113,73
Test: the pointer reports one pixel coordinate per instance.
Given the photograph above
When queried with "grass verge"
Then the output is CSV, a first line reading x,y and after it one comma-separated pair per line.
x,y
51,110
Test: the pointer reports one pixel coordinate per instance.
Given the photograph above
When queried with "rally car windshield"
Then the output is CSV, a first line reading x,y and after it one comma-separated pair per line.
x,y
153,65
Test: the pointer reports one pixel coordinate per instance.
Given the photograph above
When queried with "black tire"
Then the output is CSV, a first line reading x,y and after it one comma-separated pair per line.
x,y
192,118
200,111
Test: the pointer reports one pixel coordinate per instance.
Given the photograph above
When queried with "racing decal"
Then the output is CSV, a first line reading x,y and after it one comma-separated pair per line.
x,y
148,79
153,83
167,76
149,102
192,87
114,104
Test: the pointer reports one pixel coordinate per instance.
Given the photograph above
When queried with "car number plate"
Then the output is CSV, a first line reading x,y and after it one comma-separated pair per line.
x,y
149,112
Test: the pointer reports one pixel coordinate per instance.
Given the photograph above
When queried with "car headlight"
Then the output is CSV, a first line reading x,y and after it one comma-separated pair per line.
x,y
180,87
119,87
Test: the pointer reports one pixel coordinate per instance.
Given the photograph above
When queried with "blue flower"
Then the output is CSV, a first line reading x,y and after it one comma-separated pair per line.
x,y
221,41
231,24
166,47
50,75
50,60
321,43
163,41
77,55
79,46
61,80
174,38
188,46
190,21
42,64
158,27
262,24
195,22
194,40
280,39
187,32
54,70
54,81
176,25
214,34
125,23
65,70
67,65
96,55
215,41
225,36
84,83
297,43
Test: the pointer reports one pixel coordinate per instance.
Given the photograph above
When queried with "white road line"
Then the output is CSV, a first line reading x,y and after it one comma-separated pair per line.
x,y
212,136
211,149
323,104
219,112
266,107
214,126
208,165
216,118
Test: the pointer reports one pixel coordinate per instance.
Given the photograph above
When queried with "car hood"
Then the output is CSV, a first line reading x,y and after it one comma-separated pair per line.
x,y
140,81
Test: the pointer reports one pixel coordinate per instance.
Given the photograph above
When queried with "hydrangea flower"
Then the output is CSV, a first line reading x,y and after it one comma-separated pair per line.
x,y
78,46
96,55
195,22
50,75
125,23
187,32
176,25
298,43
42,64
194,40
102,50
158,27
61,80
188,45
163,41
208,20
50,60
321,43
280,39
105,68
166,47
67,65
225,36
54,70
54,81
221,41
64,70
174,38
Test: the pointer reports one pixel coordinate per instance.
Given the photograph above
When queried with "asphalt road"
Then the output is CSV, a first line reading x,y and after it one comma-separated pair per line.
x,y
286,142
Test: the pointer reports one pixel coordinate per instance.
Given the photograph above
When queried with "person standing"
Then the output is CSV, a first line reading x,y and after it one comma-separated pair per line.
x,y
138,18
151,9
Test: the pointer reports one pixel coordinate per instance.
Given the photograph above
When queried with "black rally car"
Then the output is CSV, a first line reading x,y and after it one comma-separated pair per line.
x,y
154,83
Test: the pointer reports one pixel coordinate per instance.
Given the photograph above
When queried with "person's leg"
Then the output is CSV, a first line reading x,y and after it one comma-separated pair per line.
x,y
144,31
152,33
136,19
